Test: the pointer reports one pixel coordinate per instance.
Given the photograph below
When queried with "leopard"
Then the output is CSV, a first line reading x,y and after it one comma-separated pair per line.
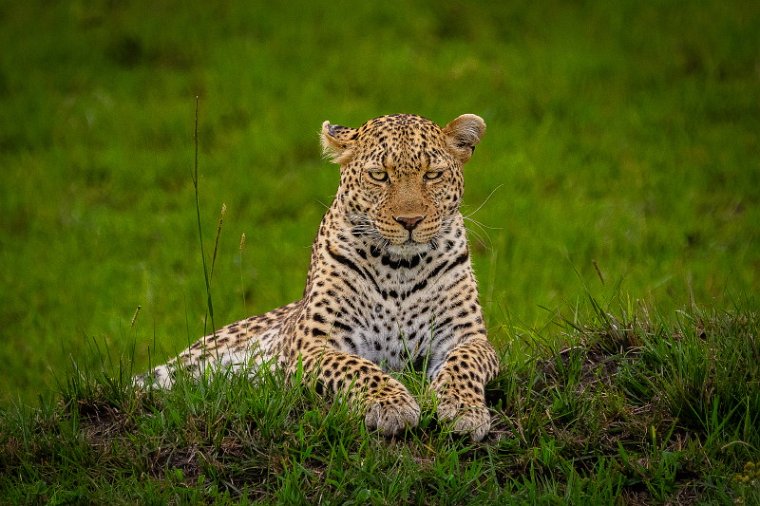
x,y
390,285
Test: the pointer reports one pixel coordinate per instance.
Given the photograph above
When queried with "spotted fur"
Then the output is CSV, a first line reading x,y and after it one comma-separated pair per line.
x,y
390,283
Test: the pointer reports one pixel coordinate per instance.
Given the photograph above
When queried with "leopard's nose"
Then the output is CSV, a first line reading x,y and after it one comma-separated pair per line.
x,y
409,222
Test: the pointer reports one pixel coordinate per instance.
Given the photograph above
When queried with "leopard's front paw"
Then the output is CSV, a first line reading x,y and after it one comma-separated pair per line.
x,y
472,417
390,412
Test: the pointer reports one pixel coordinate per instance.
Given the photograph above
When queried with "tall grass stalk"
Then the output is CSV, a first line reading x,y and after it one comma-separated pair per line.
x,y
207,273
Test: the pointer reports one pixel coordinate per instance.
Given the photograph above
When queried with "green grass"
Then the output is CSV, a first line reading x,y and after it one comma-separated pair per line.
x,y
620,175
629,410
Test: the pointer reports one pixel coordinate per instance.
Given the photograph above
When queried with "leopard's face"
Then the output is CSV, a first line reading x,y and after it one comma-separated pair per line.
x,y
401,177
402,183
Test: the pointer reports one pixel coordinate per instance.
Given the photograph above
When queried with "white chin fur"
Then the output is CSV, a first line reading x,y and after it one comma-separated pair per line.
x,y
408,249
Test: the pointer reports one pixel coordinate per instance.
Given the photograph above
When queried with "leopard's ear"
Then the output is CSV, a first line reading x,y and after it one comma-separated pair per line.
x,y
338,142
463,134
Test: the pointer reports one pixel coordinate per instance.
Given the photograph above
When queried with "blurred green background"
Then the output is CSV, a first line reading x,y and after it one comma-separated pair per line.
x,y
622,133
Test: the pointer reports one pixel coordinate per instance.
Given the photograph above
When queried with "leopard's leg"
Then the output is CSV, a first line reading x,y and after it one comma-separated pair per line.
x,y
459,383
242,345
387,404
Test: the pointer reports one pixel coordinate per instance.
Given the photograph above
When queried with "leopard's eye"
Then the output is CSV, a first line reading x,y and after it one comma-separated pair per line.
x,y
380,176
432,175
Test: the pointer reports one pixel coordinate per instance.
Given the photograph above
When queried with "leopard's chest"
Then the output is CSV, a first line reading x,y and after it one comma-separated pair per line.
x,y
395,332
395,317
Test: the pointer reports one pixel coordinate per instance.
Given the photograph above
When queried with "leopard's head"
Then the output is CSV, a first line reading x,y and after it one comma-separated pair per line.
x,y
401,176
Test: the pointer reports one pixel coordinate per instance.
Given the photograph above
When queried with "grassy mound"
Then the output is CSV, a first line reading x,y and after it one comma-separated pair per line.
x,y
614,409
